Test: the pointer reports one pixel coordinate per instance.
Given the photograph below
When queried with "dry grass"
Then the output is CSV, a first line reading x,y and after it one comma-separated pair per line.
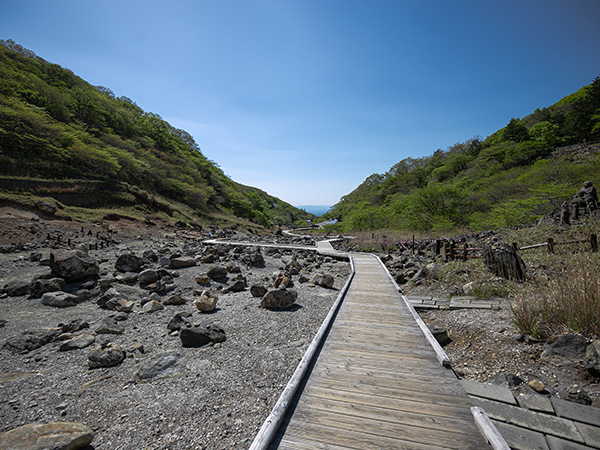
x,y
571,301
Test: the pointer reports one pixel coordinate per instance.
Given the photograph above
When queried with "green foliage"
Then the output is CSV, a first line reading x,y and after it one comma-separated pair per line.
x,y
512,177
55,125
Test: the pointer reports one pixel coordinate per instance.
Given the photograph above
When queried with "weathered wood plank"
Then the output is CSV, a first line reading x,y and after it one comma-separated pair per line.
x,y
376,429
305,435
432,412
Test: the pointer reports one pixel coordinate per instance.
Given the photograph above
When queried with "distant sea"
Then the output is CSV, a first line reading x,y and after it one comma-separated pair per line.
x,y
317,210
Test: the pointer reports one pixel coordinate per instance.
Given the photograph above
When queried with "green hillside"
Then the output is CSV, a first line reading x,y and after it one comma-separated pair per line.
x,y
518,174
61,137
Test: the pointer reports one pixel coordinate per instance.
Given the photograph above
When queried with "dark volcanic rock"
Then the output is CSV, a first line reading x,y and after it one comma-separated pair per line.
x,y
39,287
279,298
30,340
16,288
199,335
73,265
59,299
217,273
128,262
106,355
571,347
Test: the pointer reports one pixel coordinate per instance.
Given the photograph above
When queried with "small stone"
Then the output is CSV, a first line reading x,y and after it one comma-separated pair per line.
x,y
217,273
119,304
204,280
537,385
183,261
323,279
152,306
207,302
175,299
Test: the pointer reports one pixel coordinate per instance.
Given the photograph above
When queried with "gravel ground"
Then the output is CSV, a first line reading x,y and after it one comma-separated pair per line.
x,y
229,388
485,346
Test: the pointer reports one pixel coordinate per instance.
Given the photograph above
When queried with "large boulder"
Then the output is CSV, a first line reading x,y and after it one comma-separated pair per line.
x,y
106,355
592,358
31,340
73,265
41,436
217,273
40,286
199,335
323,279
128,262
59,299
279,299
569,347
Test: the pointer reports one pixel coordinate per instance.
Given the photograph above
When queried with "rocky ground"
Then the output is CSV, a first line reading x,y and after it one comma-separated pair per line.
x,y
217,395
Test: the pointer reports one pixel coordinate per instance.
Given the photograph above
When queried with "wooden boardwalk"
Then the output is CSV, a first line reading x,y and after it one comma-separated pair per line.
x,y
377,383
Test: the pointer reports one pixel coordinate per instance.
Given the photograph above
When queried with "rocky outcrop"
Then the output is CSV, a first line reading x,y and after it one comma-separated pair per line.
x,y
42,436
160,366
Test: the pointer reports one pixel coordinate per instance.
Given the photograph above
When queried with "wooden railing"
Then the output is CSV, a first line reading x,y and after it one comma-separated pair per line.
x,y
462,252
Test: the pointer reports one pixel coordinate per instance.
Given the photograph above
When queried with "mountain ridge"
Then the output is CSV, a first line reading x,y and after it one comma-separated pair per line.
x,y
56,126
512,177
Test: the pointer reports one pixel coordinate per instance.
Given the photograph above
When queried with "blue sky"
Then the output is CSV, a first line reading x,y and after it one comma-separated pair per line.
x,y
306,98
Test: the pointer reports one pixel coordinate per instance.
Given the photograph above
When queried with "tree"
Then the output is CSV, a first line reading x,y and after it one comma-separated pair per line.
x,y
515,131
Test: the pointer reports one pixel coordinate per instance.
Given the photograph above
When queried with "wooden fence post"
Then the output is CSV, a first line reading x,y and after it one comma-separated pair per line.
x,y
594,243
465,250
438,246
515,247
451,251
550,245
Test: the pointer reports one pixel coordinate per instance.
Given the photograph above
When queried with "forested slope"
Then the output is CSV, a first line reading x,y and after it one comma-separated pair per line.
x,y
514,176
56,126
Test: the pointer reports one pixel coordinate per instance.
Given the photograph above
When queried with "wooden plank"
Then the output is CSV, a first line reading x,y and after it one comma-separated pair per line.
x,y
435,407
414,417
367,367
340,424
319,437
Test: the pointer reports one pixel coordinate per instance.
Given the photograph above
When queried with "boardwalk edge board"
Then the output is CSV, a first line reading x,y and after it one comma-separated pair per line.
x,y
488,429
437,348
